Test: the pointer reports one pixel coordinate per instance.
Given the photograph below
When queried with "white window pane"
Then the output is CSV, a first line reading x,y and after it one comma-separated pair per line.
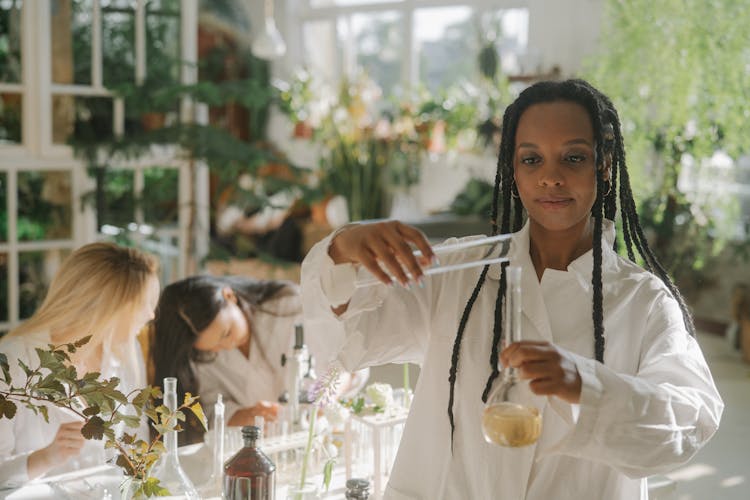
x,y
323,54
118,44
81,119
45,204
10,41
163,40
70,28
11,114
510,31
378,45
446,38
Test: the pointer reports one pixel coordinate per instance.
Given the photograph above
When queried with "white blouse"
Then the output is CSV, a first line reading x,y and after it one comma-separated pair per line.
x,y
28,432
648,408
244,381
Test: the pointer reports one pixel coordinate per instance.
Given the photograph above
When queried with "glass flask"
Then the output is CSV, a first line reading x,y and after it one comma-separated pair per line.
x,y
250,474
465,254
213,486
506,420
168,470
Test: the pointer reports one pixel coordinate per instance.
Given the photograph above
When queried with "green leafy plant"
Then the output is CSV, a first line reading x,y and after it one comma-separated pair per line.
x,y
677,71
101,406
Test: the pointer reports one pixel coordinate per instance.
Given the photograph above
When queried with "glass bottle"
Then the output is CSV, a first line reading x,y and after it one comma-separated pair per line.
x,y
168,470
213,485
250,474
357,489
506,420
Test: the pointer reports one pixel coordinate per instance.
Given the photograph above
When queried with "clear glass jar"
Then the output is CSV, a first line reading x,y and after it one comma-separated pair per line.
x,y
167,469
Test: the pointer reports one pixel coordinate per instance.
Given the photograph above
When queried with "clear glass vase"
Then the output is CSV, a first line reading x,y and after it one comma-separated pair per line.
x,y
507,419
167,469
309,491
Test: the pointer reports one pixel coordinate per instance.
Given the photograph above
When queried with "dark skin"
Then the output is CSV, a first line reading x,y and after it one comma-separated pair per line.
x,y
555,173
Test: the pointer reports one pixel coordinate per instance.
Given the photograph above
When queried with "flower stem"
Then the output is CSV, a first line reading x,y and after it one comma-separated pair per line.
x,y
308,448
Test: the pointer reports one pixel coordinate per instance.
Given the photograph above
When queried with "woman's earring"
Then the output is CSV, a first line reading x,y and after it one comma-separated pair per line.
x,y
514,190
609,188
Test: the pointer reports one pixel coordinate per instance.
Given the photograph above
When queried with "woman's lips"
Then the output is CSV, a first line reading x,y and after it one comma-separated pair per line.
x,y
554,203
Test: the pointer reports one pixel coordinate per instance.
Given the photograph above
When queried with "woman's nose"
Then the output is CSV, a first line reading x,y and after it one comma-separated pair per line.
x,y
551,176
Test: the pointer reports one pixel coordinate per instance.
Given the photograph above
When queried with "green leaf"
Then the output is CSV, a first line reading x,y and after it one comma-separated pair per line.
x,y
124,464
82,342
7,408
25,368
197,410
328,473
151,487
43,410
91,410
94,428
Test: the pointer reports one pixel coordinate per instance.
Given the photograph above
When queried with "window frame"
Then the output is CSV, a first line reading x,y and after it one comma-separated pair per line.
x,y
37,152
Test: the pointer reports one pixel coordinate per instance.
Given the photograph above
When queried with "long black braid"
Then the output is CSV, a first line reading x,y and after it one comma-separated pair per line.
x,y
609,149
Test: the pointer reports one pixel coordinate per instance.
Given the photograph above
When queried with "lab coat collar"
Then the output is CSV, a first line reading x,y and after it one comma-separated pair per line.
x,y
532,300
582,267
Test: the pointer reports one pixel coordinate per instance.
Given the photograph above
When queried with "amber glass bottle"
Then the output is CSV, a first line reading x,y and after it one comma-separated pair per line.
x,y
250,474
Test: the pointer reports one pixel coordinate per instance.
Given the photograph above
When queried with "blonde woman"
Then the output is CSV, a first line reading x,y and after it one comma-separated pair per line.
x,y
102,290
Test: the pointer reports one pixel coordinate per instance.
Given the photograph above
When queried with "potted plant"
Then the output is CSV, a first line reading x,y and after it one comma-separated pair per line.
x,y
101,406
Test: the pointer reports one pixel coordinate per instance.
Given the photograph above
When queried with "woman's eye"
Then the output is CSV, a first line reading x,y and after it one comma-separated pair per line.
x,y
530,160
575,158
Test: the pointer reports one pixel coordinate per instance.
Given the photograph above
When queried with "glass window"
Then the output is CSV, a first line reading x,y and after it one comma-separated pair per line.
x,y
444,36
11,107
160,204
81,119
118,43
10,41
70,29
118,207
378,42
44,205
36,270
3,206
163,40
510,31
323,52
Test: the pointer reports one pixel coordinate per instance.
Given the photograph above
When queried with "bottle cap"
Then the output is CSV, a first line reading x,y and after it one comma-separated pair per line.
x,y
250,432
357,484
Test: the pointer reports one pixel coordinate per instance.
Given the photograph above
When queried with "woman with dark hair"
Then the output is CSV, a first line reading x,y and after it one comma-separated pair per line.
x,y
611,416
226,335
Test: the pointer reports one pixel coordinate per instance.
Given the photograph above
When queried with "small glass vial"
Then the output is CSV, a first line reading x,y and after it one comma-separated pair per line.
x,y
250,474
357,489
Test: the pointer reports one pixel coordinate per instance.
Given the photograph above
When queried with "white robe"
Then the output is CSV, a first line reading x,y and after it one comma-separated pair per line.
x,y
648,408
28,432
244,381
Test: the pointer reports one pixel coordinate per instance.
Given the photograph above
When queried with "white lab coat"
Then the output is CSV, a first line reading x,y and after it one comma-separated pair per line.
x,y
28,432
648,408
243,382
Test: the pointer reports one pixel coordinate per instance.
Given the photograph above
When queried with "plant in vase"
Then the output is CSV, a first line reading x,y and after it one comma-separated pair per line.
x,y
102,408
323,395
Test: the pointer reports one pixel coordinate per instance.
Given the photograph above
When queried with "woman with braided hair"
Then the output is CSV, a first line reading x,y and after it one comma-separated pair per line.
x,y
610,353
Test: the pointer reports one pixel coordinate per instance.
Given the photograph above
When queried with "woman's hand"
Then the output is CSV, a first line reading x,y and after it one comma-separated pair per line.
x,y
551,370
67,443
384,243
246,416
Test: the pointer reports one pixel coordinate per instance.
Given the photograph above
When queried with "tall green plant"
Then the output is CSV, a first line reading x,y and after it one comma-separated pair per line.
x,y
678,72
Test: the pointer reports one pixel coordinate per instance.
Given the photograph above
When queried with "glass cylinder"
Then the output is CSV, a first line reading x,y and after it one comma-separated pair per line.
x,y
507,420
167,469
250,474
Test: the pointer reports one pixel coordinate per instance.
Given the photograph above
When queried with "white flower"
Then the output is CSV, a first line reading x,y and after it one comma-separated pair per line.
x,y
336,414
380,394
